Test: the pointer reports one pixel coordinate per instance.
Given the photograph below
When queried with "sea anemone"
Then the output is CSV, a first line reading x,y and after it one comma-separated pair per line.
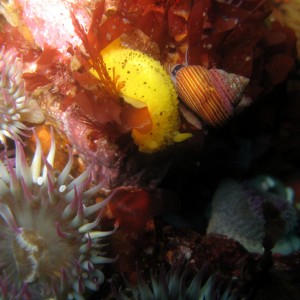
x,y
15,105
48,247
251,214
178,284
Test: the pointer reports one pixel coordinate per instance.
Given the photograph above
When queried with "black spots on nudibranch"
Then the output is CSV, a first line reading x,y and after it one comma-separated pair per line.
x,y
124,63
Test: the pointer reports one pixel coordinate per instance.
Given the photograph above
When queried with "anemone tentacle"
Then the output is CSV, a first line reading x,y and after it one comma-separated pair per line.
x,y
16,107
174,285
48,248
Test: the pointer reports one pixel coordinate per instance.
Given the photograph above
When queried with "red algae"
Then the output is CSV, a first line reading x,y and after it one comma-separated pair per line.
x,y
233,38
53,72
11,37
146,15
131,207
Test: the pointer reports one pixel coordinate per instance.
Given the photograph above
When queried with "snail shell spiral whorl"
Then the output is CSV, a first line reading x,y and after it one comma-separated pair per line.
x,y
212,94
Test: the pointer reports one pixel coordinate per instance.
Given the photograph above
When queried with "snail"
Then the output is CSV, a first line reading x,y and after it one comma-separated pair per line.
x,y
212,94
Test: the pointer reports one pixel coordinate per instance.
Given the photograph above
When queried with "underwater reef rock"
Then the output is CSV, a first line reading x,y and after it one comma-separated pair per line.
x,y
253,276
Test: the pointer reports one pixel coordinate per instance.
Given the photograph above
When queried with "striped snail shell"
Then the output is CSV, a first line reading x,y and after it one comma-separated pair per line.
x,y
210,93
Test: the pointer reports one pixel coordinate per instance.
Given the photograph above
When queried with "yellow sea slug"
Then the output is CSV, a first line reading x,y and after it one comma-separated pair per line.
x,y
146,83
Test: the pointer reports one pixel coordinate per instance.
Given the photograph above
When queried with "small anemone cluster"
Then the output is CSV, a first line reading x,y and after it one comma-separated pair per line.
x,y
48,247
254,210
178,284
16,107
